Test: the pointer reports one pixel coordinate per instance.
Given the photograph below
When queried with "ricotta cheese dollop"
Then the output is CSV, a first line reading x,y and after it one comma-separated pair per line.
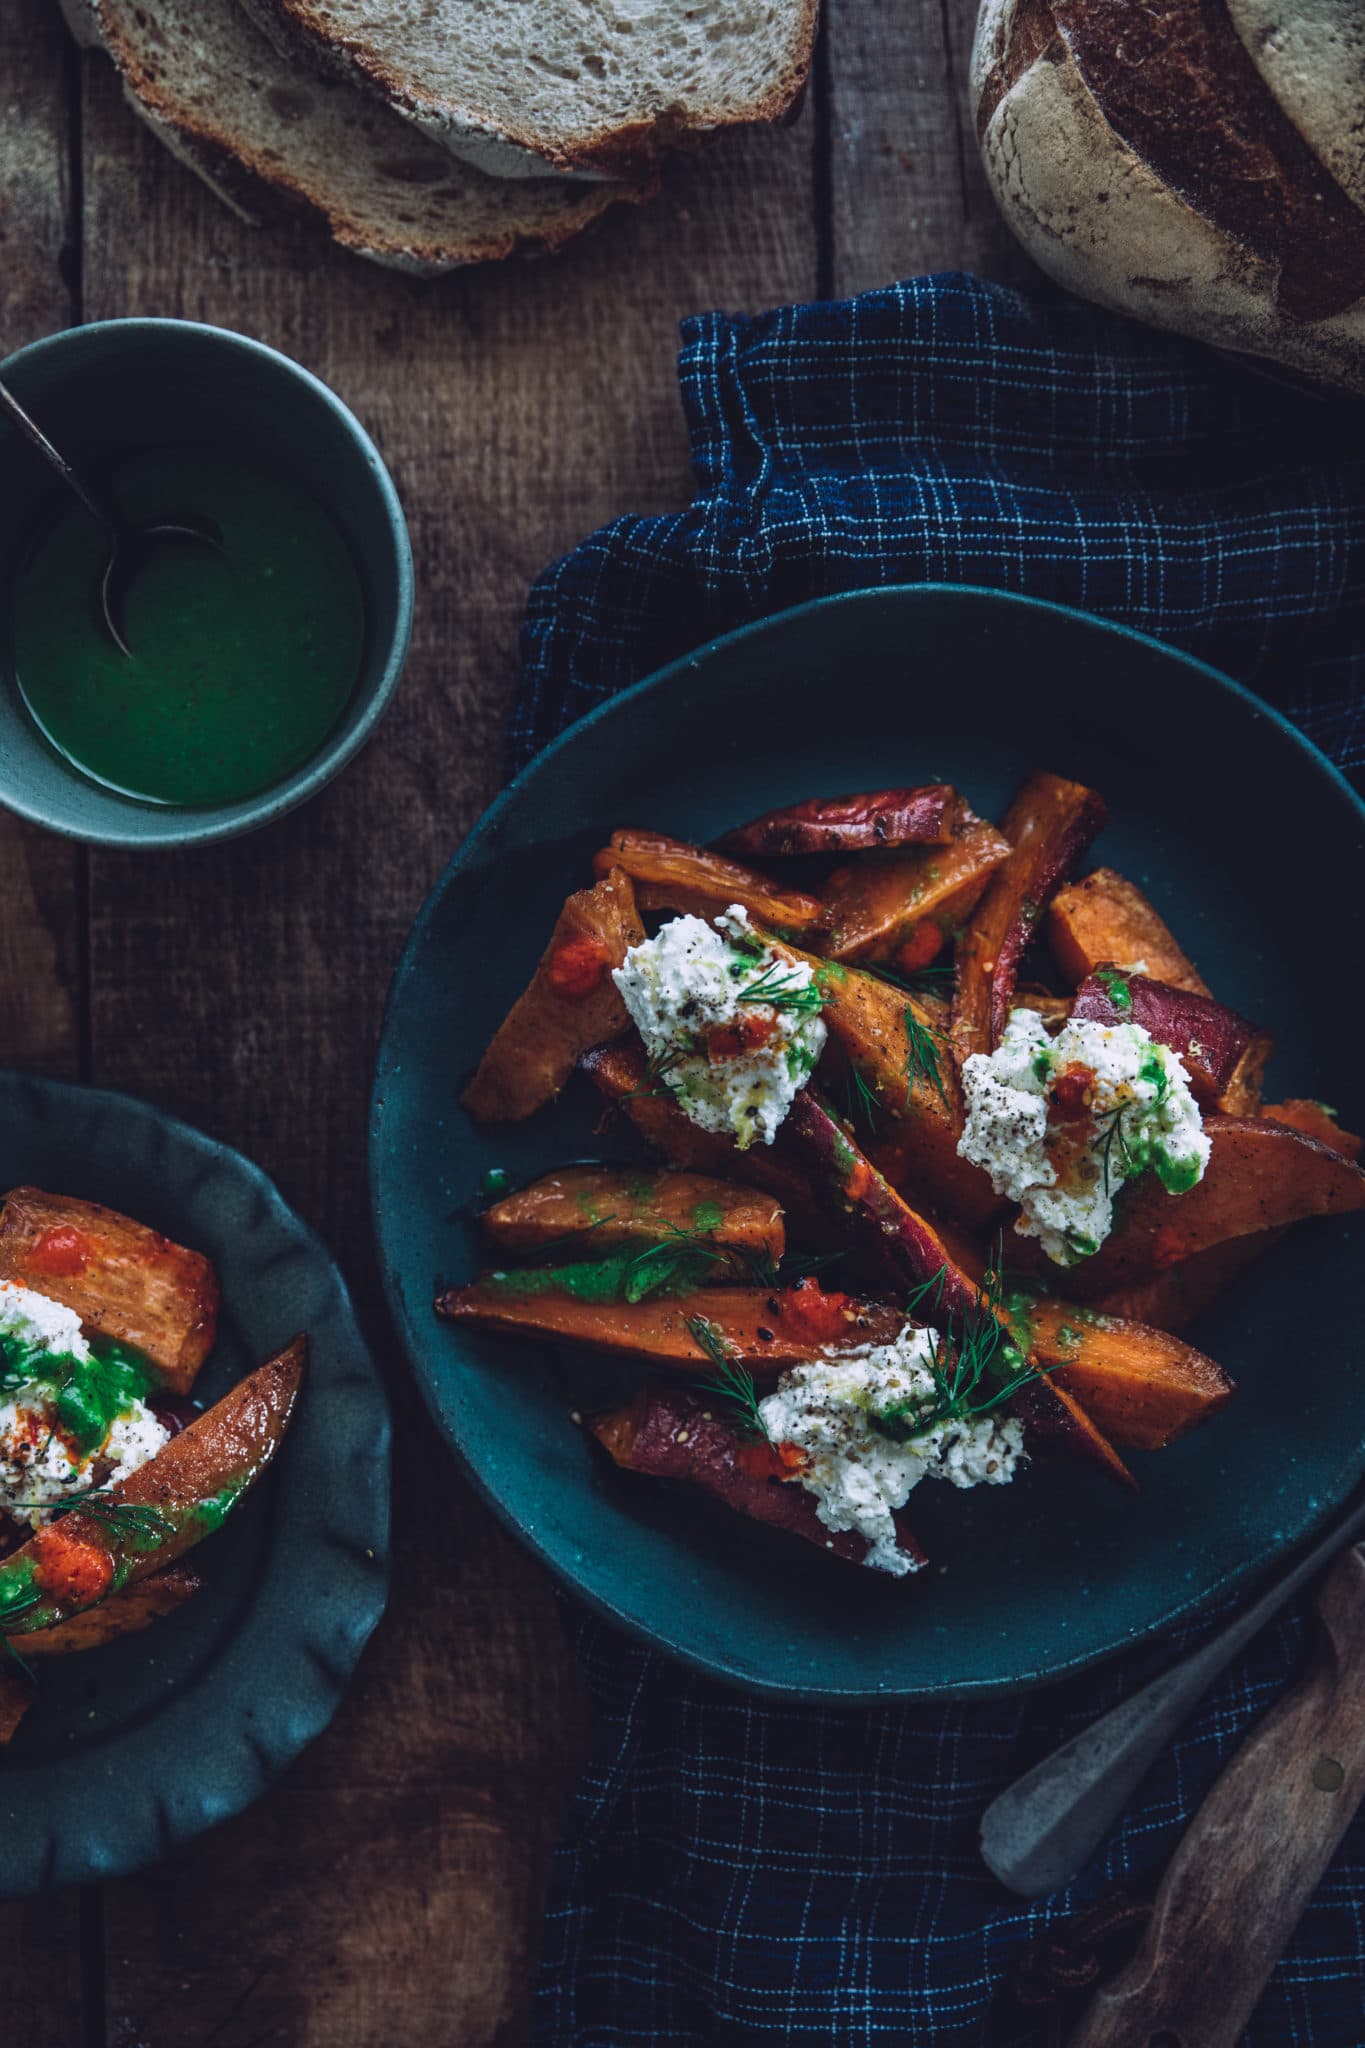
x,y
1061,1123
731,1028
852,1416
41,1460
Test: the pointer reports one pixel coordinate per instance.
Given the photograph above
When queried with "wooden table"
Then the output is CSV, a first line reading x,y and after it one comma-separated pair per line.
x,y
388,1891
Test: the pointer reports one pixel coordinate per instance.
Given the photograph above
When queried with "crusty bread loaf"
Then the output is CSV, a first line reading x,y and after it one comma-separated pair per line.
x,y
587,87
1188,161
266,137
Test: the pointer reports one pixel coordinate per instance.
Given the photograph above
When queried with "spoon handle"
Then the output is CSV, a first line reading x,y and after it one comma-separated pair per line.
x,y
1252,1856
1040,1831
35,436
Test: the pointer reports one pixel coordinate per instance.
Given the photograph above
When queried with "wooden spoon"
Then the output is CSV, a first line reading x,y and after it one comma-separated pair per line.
x,y
1252,1856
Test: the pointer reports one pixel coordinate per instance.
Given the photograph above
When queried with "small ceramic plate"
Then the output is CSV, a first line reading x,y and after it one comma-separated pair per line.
x,y
132,1749
1254,848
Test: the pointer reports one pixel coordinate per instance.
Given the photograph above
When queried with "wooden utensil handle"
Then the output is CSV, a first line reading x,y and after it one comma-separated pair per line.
x,y
1253,1854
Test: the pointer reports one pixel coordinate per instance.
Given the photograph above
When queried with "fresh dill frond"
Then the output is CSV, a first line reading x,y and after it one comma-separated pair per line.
x,y
783,988
658,1067
117,1518
923,1042
975,1366
733,1381
862,1104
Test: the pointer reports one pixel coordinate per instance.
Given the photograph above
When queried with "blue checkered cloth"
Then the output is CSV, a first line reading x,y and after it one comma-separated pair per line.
x,y
742,1872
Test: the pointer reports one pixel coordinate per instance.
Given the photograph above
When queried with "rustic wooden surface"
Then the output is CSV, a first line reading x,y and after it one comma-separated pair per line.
x,y
388,1892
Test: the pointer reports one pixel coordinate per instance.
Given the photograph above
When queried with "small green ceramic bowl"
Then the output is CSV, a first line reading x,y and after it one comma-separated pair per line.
x,y
102,393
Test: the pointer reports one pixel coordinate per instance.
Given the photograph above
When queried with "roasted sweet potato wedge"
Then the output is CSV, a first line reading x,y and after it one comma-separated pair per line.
x,y
1221,1052
124,1281
671,875
910,1093
1170,1300
571,1004
850,824
1049,825
1141,1386
1104,917
122,1614
917,1251
1260,1176
884,905
674,1432
176,1499
619,1071
1316,1120
765,1329
594,1210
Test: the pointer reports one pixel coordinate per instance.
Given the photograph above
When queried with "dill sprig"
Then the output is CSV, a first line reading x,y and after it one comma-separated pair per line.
x,y
862,1104
733,1381
658,1067
972,1355
923,1040
783,988
117,1518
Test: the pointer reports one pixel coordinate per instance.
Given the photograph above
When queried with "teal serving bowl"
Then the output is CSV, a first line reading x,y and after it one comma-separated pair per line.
x,y
105,392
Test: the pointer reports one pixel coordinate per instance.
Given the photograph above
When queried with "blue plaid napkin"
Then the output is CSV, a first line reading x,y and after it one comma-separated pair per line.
x,y
741,1872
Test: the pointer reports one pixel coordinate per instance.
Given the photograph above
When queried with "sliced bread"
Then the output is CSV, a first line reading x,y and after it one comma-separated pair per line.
x,y
592,88
267,138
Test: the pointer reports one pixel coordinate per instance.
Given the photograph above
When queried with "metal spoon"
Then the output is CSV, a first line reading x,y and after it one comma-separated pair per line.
x,y
1037,1835
128,546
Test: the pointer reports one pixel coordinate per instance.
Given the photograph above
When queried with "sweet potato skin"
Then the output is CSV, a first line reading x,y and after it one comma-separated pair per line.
x,y
668,874
674,1433
1104,917
122,1614
618,1071
916,1251
920,1124
1049,826
16,1697
1223,1055
124,1281
766,1330
537,1046
214,1460
883,902
1315,1120
1172,1299
848,824
602,1209
1141,1386
1260,1176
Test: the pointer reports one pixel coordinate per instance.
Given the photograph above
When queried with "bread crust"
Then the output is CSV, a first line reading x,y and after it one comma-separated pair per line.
x,y
262,184
1101,211
507,148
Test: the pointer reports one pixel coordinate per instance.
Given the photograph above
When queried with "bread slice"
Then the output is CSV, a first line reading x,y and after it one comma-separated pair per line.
x,y
269,139
589,87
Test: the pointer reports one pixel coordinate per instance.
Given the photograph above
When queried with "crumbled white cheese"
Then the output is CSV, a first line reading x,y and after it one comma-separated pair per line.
x,y
39,1462
733,1061
1060,1123
42,1324
860,1475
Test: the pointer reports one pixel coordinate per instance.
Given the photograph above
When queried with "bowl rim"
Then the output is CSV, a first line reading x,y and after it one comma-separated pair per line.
x,y
661,1636
152,827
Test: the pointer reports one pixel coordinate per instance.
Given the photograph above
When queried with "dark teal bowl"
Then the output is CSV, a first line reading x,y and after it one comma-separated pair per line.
x,y
1252,845
105,391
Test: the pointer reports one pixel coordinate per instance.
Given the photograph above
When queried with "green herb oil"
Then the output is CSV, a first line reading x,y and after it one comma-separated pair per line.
x,y
243,660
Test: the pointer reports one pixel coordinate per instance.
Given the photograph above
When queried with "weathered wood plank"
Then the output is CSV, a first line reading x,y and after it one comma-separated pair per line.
x,y
38,980
389,1889
41,1977
906,189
